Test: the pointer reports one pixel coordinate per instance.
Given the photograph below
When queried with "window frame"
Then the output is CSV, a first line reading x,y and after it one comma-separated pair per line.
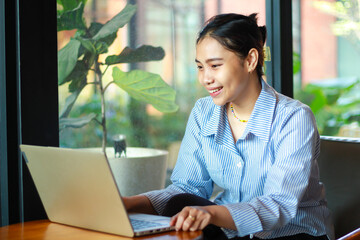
x,y
30,103
279,29
4,203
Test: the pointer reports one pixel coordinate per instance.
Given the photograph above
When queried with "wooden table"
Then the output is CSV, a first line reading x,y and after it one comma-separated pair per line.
x,y
44,229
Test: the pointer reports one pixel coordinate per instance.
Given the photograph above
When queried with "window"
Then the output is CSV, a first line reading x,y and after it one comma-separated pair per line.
x,y
172,25
38,46
326,54
326,77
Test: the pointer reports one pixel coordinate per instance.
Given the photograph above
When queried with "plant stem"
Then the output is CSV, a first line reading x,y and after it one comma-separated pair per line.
x,y
108,85
102,95
108,66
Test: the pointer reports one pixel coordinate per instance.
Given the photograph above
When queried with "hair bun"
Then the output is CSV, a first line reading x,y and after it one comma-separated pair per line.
x,y
253,17
263,33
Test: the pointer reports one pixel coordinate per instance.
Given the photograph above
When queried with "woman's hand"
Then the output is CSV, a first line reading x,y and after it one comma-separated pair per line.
x,y
191,219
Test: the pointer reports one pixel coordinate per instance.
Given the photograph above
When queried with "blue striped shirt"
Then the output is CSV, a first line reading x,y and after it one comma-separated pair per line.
x,y
270,175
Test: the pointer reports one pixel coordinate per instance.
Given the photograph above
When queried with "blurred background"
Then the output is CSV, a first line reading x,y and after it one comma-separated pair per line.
x,y
326,56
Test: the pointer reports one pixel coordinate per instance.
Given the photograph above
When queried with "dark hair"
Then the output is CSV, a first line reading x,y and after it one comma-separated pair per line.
x,y
237,33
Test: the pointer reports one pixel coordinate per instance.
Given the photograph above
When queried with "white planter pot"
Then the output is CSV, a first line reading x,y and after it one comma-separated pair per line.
x,y
142,170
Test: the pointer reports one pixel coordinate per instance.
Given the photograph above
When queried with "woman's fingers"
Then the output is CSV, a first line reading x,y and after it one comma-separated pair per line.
x,y
196,223
180,222
202,219
173,220
204,223
191,219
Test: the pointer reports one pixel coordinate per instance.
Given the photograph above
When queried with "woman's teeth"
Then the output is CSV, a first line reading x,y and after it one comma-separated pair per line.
x,y
215,90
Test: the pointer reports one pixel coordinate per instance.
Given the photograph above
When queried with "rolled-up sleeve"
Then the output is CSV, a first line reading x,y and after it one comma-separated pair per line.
x,y
190,174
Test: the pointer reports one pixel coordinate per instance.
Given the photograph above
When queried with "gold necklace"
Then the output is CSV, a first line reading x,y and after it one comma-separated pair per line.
x,y
233,112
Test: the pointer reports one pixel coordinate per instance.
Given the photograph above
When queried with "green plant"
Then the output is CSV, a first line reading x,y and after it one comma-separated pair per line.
x,y
81,55
334,102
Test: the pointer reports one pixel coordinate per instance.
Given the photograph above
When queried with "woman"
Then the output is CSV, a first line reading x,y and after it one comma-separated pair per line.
x,y
261,147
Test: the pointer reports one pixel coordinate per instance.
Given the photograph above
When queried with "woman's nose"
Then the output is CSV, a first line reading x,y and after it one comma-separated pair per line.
x,y
208,78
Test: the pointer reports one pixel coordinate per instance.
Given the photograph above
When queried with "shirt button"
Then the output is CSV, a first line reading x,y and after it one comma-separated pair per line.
x,y
239,165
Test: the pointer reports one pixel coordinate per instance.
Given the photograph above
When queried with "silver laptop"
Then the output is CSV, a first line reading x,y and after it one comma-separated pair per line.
x,y
77,188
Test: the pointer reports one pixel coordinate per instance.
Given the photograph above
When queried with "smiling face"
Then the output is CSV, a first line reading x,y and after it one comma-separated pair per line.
x,y
225,76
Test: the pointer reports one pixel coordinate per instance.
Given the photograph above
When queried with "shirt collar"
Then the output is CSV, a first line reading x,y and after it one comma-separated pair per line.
x,y
215,122
260,120
263,114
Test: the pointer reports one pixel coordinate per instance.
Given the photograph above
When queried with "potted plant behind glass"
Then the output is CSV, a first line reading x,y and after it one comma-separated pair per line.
x,y
81,55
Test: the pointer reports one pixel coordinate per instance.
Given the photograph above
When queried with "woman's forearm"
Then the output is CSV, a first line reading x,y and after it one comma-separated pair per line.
x,y
221,217
138,203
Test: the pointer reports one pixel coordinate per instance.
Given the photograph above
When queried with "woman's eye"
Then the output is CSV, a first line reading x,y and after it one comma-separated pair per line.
x,y
215,65
199,67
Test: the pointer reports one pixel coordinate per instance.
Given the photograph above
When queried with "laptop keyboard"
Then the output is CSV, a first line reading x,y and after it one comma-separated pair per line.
x,y
141,224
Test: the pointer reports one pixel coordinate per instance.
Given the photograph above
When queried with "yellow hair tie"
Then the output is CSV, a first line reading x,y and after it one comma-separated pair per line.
x,y
267,54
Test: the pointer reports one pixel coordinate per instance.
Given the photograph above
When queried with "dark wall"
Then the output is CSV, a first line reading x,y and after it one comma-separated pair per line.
x,y
11,114
31,94
39,89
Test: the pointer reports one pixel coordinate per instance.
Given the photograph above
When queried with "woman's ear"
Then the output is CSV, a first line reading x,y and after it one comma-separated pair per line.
x,y
252,60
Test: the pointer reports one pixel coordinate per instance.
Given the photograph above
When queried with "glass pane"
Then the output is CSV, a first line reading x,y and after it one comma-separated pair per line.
x,y
326,47
172,25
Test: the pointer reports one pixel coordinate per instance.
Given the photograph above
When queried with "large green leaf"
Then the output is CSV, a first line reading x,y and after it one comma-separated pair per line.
x,y
76,122
102,45
116,22
95,28
69,103
146,87
350,98
88,53
67,59
78,76
87,44
143,53
71,19
319,100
